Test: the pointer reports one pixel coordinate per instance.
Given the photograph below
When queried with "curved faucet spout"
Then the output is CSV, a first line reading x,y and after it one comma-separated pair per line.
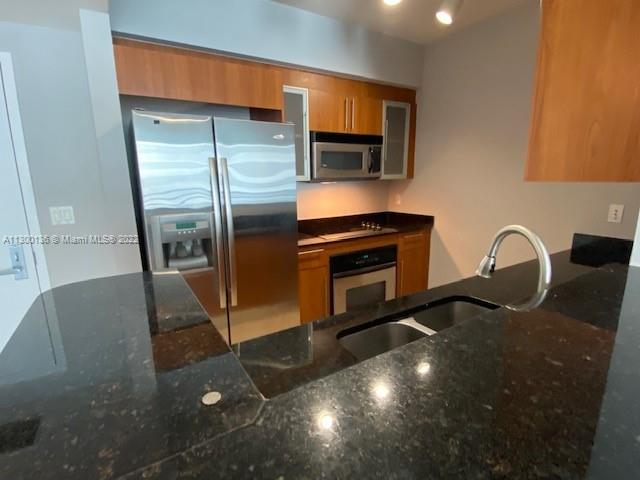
x,y
488,263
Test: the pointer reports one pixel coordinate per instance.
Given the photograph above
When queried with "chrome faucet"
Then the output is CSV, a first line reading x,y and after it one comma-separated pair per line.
x,y
488,263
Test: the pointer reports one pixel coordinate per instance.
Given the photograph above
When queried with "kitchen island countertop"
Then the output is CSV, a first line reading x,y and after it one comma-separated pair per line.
x,y
550,393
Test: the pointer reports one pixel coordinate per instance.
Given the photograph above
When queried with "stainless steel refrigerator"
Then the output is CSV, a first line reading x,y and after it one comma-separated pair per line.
x,y
218,201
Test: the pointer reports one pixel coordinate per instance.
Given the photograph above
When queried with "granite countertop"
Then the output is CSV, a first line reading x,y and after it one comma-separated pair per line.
x,y
108,377
550,393
310,231
285,360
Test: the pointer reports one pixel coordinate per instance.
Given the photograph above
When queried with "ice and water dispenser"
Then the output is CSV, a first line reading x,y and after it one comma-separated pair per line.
x,y
181,241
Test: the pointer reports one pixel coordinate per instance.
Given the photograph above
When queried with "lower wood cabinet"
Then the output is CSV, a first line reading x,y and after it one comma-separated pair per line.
x,y
313,284
413,262
314,281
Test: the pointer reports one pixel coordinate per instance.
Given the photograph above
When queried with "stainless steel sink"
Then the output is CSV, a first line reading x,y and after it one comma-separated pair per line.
x,y
379,339
368,340
450,311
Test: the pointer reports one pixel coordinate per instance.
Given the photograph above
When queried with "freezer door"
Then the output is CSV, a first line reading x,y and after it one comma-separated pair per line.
x,y
256,164
180,204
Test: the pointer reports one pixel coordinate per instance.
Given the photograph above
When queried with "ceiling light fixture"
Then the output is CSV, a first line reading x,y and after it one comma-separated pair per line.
x,y
447,11
392,2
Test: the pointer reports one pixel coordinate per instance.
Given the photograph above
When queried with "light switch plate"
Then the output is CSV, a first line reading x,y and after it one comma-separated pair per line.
x,y
62,215
615,213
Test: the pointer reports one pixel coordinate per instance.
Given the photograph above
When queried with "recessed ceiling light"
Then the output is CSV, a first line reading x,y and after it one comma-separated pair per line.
x,y
447,11
392,2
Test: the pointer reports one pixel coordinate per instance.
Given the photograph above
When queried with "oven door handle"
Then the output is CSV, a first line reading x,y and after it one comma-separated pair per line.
x,y
361,271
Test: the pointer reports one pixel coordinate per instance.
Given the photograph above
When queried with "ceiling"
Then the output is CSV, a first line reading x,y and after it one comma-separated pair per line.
x,y
412,20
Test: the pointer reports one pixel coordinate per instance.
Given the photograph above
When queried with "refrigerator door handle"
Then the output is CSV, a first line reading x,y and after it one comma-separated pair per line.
x,y
216,216
231,237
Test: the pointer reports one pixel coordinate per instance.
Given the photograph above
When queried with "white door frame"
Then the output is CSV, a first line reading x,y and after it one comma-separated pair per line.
x,y
24,173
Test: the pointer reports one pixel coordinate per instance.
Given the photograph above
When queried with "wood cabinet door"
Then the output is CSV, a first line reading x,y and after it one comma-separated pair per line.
x,y
366,115
413,262
585,124
328,112
150,70
313,285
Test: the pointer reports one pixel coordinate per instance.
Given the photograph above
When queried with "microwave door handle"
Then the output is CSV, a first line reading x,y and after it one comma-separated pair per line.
x,y
216,214
370,160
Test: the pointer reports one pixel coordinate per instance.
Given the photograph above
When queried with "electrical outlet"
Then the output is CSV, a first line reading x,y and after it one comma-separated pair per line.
x,y
615,213
398,199
62,215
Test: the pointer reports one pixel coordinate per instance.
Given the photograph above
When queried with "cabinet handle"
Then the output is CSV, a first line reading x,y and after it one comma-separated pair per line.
x,y
353,114
401,277
326,297
385,144
346,113
414,235
308,252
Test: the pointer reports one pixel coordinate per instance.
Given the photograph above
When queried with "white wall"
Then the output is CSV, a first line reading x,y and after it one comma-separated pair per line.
x,y
272,31
73,140
61,14
472,133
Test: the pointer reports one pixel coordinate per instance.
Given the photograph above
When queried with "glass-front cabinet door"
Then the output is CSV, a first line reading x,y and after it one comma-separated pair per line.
x,y
395,150
296,107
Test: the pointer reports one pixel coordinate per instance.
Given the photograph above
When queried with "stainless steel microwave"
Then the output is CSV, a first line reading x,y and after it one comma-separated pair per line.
x,y
345,156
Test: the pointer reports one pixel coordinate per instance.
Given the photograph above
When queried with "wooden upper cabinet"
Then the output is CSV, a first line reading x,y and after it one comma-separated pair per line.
x,y
336,112
336,104
342,106
150,70
328,112
586,108
366,115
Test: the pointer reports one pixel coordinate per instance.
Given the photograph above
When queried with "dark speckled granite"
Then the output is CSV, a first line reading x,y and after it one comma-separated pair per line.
x,y
284,360
596,251
401,221
131,358
551,393
308,230
542,394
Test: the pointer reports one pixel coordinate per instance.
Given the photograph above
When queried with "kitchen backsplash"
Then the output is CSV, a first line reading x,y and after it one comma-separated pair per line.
x,y
317,200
